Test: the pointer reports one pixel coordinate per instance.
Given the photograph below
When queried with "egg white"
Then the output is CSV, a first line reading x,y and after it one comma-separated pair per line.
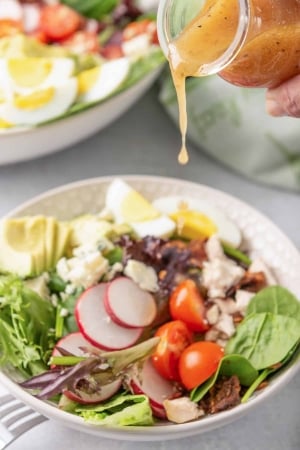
x,y
61,70
64,96
228,231
111,75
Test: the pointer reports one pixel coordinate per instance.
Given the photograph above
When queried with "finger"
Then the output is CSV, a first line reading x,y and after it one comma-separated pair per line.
x,y
284,100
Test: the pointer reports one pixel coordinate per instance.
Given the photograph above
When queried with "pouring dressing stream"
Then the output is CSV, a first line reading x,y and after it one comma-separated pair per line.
x,y
250,43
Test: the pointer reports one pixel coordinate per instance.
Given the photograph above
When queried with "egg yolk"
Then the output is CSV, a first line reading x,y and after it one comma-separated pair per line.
x,y
193,224
35,100
5,124
135,208
87,79
29,72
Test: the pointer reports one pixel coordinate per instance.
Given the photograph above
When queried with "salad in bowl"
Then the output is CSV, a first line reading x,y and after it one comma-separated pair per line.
x,y
59,58
149,306
68,69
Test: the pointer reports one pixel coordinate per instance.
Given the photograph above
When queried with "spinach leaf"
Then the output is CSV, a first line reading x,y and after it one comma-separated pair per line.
x,y
291,358
95,9
264,338
276,300
229,365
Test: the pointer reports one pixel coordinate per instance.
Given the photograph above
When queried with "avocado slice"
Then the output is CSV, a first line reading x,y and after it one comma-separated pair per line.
x,y
62,242
50,242
22,245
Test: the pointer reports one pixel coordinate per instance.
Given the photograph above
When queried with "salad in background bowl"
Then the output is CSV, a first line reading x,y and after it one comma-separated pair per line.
x,y
154,308
59,59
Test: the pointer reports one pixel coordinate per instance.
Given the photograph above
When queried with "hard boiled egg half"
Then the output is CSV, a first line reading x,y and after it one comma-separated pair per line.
x,y
129,206
38,106
196,218
25,75
99,82
36,90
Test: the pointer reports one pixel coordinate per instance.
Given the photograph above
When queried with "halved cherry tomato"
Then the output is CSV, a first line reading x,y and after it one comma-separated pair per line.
x,y
174,338
134,29
198,362
83,42
59,21
9,27
187,304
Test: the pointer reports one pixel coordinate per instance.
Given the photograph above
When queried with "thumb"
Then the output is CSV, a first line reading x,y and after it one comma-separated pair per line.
x,y
284,100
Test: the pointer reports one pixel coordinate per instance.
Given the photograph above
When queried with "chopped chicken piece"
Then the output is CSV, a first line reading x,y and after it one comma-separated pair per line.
x,y
182,409
214,249
226,325
211,335
226,305
212,314
242,299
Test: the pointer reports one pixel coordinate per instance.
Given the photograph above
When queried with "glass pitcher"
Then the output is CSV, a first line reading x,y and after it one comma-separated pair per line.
x,y
252,43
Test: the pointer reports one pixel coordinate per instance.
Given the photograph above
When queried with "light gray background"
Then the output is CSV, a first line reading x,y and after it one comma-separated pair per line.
x,y
144,141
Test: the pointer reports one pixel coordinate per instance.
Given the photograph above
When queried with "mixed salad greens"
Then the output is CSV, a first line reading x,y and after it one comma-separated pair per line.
x,y
59,58
142,312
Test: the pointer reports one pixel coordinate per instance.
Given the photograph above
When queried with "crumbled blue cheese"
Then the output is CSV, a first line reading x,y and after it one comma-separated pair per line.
x,y
144,276
219,272
84,270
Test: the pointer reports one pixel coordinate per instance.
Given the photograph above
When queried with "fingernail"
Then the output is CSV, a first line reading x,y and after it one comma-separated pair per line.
x,y
273,108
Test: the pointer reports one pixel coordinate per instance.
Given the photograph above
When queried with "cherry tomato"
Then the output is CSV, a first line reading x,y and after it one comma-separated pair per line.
x,y
174,338
187,304
198,362
9,27
59,21
134,29
83,42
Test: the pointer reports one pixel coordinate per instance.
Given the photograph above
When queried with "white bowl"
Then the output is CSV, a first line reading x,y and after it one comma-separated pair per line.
x,y
261,236
33,142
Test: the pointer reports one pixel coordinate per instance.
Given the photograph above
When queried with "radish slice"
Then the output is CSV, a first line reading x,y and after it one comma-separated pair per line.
x,y
148,381
128,304
97,326
74,343
103,394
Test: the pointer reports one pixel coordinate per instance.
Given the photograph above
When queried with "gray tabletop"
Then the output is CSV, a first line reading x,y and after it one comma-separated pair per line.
x,y
144,141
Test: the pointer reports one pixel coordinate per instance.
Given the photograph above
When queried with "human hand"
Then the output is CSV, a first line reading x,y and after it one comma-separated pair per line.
x,y
284,100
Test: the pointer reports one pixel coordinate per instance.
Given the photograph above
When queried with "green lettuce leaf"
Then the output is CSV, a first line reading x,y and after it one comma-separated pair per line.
x,y
26,327
122,410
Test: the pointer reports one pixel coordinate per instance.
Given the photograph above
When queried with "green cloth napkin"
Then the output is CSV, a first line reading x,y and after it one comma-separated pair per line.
x,y
230,124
